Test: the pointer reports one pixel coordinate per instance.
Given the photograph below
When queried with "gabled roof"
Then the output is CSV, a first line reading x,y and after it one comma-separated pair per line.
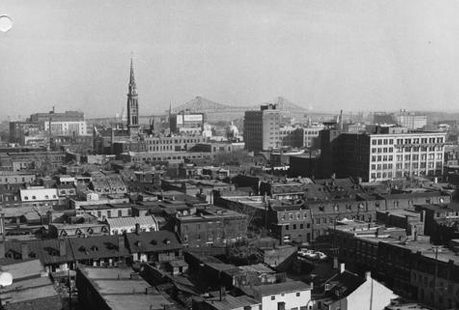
x,y
154,241
343,284
47,251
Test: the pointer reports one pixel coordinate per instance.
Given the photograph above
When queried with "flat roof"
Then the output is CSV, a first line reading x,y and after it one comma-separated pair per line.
x,y
123,302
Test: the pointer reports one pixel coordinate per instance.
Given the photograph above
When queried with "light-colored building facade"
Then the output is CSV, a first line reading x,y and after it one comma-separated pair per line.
x,y
262,129
282,296
138,224
407,154
389,153
67,128
411,121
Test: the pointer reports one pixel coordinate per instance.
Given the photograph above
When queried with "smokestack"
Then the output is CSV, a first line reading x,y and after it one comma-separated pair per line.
x,y
137,228
368,275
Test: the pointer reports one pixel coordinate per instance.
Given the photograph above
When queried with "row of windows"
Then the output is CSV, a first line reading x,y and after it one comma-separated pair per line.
x,y
381,167
407,141
23,179
417,149
382,150
401,173
375,158
176,141
430,156
420,140
35,197
169,157
421,165
407,157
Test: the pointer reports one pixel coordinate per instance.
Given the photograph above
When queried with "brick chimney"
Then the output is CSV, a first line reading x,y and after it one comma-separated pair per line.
x,y
121,242
62,248
2,249
24,251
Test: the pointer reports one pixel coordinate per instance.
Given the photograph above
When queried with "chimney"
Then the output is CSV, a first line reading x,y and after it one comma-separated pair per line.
x,y
24,251
62,248
121,242
137,228
368,275
335,262
2,229
415,233
2,249
342,267
222,293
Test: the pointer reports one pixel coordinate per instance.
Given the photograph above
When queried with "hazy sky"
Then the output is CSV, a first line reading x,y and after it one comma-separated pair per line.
x,y
325,55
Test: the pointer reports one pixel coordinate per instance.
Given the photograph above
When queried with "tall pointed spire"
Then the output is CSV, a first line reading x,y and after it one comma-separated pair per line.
x,y
132,86
132,104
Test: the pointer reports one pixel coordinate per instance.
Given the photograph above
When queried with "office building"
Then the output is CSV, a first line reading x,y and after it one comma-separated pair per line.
x,y
261,129
390,152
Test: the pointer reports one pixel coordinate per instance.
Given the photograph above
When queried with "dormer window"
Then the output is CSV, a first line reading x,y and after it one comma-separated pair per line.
x,y
34,197
46,197
26,197
94,248
167,241
82,248
154,242
54,196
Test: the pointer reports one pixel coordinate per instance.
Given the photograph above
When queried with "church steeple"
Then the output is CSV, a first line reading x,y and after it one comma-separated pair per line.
x,y
132,104
132,86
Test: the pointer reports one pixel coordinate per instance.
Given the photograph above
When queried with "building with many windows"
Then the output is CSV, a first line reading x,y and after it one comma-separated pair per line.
x,y
390,152
261,128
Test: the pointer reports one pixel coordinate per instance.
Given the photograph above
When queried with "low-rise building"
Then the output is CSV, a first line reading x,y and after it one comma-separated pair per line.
x,y
120,225
211,226
347,290
117,289
284,295
157,247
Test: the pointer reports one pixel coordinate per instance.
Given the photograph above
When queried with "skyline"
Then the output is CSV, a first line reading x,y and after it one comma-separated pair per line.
x,y
328,56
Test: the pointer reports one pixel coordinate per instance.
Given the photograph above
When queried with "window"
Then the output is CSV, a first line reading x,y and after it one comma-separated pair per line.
x,y
273,297
298,294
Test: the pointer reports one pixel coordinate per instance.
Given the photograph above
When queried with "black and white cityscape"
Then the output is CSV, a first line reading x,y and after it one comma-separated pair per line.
x,y
229,155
